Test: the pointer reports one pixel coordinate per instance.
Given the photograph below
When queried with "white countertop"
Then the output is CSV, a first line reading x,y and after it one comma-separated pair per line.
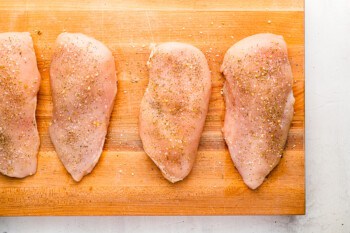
x,y
327,150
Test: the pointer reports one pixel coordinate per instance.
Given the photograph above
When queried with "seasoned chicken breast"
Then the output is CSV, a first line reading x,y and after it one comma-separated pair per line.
x,y
83,85
174,107
19,86
259,104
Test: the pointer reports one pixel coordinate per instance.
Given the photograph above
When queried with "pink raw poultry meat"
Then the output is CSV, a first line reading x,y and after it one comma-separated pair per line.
x,y
83,85
259,104
19,85
174,107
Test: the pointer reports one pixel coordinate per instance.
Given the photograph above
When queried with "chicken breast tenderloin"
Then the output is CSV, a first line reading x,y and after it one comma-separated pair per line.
x,y
19,86
259,104
174,107
83,85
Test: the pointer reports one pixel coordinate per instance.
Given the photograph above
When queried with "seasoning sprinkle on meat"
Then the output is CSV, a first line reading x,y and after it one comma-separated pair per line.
x,y
174,107
19,86
259,104
81,68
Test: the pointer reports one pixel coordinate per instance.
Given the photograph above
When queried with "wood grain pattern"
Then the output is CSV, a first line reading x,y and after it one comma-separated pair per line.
x,y
125,181
115,5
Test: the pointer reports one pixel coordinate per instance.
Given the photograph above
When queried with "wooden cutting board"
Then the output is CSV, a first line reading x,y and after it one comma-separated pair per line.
x,y
125,181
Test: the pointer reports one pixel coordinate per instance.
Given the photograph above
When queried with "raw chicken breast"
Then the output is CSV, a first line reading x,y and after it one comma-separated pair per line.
x,y
259,104
174,107
19,86
83,86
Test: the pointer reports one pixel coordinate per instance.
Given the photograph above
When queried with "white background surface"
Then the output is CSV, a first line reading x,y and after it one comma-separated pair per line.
x,y
327,150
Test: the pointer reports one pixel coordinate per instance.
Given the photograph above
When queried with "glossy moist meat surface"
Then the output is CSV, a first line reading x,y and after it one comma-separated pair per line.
x,y
174,107
83,85
19,85
259,104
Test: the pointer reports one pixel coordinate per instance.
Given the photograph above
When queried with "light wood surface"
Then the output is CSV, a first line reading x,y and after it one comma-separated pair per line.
x,y
125,181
